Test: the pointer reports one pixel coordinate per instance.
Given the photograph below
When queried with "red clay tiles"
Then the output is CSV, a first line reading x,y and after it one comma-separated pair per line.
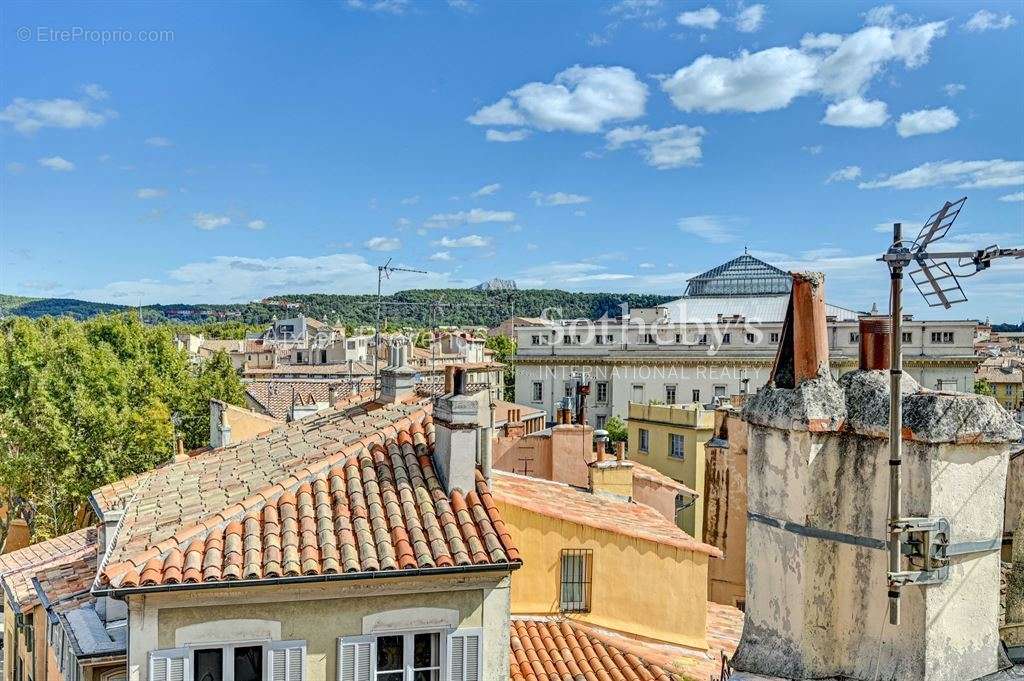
x,y
561,650
558,500
359,498
61,559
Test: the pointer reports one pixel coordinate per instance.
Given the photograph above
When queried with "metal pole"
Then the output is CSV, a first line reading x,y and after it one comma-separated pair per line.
x,y
895,423
376,340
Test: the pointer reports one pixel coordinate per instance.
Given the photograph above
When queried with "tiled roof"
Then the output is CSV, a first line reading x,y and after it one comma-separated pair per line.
x,y
561,650
344,492
276,397
558,500
69,577
656,476
19,567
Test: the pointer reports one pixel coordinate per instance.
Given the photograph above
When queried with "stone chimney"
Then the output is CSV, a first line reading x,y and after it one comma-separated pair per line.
x,y
109,609
611,477
18,535
398,380
459,427
817,522
220,429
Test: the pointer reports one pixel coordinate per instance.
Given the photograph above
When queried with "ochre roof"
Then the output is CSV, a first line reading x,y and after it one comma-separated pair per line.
x,y
17,568
276,397
349,491
558,500
70,577
561,650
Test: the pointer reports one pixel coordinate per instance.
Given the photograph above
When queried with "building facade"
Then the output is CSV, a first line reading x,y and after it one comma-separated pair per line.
x,y
719,339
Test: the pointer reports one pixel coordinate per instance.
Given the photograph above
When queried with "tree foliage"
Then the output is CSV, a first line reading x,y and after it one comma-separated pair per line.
x,y
617,429
983,387
504,349
84,404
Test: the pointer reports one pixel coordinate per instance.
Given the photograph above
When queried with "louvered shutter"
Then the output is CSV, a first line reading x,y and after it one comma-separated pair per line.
x,y
168,665
464,653
286,661
355,658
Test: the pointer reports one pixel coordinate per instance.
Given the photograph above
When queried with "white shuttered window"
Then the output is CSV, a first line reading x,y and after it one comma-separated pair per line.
x,y
355,658
464,652
169,665
286,661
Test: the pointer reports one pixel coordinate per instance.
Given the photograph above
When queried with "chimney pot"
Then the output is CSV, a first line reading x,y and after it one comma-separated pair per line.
x,y
875,341
600,450
620,451
810,331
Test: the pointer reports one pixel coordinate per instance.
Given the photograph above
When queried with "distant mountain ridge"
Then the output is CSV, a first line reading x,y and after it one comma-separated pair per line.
x,y
417,307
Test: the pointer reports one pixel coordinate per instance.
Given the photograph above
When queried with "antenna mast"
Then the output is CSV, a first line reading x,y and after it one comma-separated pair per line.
x,y
939,285
383,272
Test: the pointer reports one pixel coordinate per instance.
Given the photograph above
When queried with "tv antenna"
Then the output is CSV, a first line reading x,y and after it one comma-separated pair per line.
x,y
939,284
383,272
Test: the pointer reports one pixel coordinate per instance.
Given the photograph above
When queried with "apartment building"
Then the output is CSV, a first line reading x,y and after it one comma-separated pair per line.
x,y
719,339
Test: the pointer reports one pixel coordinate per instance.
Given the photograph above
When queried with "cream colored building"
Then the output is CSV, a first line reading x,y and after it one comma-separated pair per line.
x,y
671,439
719,339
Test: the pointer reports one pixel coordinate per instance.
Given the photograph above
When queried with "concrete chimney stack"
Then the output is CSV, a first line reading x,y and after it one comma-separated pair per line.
x,y
459,433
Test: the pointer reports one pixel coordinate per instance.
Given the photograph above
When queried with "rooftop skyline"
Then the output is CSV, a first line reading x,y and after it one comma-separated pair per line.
x,y
224,153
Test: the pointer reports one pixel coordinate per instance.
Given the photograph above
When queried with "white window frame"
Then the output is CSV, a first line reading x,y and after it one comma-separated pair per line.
x,y
773,337
602,392
538,391
446,670
643,437
671,394
268,648
671,446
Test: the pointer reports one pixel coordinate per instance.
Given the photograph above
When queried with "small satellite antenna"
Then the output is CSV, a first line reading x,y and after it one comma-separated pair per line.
x,y
938,282
383,272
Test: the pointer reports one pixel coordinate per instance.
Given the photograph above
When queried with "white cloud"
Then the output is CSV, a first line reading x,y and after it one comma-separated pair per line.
x,y
29,115
635,9
57,163
510,136
706,17
475,216
846,174
443,256
839,67
410,200
1013,198
396,7
402,223
256,224
926,122
953,89
462,6
814,149
558,199
663,149
717,229
856,113
964,174
159,142
759,81
150,193
984,20
210,221
580,99
94,91
750,19
885,16
488,189
470,241
383,243
646,265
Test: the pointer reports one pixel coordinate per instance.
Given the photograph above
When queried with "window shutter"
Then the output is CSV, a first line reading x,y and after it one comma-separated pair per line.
x,y
355,658
464,655
286,661
168,665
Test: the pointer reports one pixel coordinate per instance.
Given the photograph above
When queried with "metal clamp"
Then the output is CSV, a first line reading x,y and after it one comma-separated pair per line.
x,y
926,542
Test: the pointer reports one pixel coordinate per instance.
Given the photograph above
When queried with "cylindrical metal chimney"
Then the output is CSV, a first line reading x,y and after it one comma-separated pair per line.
x,y
620,451
600,450
875,342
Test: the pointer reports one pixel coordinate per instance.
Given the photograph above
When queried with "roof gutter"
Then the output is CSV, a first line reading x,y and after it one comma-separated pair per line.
x,y
310,579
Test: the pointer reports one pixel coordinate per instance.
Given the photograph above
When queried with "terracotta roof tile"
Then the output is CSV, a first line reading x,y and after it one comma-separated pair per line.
x,y
373,504
561,650
558,500
276,397
61,559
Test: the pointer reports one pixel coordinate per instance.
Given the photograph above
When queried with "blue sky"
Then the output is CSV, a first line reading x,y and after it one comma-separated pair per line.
x,y
216,152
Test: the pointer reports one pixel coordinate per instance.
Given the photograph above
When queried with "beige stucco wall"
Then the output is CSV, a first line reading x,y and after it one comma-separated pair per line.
x,y
725,514
317,614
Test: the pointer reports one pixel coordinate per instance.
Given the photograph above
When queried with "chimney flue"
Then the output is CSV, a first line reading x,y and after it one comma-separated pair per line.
x,y
875,343
600,450
810,330
620,451
459,381
449,379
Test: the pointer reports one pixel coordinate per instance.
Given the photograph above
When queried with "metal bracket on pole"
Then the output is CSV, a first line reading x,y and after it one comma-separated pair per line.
x,y
926,542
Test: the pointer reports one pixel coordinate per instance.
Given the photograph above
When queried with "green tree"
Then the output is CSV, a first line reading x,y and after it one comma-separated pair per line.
x,y
84,404
983,387
504,349
617,430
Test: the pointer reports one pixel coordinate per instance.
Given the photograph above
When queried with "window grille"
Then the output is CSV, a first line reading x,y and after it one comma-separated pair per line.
x,y
576,572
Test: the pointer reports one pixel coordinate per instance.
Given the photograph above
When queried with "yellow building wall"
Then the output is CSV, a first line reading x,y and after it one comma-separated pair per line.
x,y
1009,394
9,640
696,427
641,587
